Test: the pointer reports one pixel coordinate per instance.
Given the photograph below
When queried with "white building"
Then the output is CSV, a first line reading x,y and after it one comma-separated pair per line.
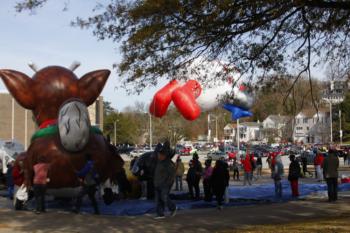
x,y
312,127
248,131
230,132
274,127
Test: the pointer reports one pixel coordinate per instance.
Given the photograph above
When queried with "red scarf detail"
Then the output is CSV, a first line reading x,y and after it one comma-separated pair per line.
x,y
48,123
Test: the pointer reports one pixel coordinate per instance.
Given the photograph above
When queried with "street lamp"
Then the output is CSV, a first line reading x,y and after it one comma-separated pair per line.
x,y
216,126
333,98
330,116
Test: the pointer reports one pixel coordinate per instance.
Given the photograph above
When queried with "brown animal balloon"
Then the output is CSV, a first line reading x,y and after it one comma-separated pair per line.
x,y
44,94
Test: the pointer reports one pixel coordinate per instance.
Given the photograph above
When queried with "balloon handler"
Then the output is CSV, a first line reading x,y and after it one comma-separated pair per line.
x,y
89,180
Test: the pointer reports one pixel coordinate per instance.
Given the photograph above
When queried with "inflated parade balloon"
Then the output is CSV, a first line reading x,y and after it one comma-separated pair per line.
x,y
64,138
211,97
162,99
237,112
184,99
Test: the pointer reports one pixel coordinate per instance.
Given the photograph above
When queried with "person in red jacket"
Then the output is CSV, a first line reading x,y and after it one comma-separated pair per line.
x,y
39,183
247,167
18,174
18,180
318,161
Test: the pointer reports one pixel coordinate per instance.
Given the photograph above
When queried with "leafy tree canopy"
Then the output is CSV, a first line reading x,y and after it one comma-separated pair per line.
x,y
158,37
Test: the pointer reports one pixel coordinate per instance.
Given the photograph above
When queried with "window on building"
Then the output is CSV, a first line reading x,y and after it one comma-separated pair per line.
x,y
305,120
307,128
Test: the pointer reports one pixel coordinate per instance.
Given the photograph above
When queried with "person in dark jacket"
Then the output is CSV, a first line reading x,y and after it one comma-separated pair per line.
x,y
89,179
198,174
304,163
9,180
164,176
220,180
191,178
235,166
330,172
293,175
258,166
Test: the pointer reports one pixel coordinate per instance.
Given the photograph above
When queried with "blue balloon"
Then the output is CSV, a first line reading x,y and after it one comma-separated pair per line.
x,y
237,112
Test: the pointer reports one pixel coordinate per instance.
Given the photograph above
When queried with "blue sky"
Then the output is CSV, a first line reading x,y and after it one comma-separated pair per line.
x,y
46,38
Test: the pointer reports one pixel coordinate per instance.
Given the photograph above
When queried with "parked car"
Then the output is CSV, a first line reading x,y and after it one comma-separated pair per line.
x,y
138,152
187,150
216,155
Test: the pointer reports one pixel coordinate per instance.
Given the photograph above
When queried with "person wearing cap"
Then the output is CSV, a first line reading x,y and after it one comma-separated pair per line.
x,y
294,175
330,172
164,176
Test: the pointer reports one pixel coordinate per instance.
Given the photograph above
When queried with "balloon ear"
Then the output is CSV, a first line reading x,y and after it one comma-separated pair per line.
x,y
20,87
91,85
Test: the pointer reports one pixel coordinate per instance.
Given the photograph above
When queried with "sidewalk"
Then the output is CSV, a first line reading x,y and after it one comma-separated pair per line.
x,y
198,220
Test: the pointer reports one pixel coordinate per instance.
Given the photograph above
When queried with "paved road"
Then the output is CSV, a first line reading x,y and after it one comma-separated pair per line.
x,y
199,220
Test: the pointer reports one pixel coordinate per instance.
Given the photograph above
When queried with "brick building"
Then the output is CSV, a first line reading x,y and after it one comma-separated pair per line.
x,y
17,123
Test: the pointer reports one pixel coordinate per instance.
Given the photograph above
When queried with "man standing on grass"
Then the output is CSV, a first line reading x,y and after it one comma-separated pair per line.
x,y
164,177
330,172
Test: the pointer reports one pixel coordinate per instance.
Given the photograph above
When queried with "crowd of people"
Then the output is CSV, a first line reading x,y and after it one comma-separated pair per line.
x,y
214,175
21,191
326,168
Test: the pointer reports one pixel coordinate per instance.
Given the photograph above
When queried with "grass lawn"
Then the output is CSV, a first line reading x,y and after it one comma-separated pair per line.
x,y
332,224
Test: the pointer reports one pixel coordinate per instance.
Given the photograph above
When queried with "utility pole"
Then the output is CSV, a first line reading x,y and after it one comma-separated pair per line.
x,y
216,128
13,120
237,136
331,119
340,130
209,132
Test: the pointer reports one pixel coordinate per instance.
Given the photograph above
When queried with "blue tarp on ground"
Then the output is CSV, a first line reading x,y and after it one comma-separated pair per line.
x,y
239,195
